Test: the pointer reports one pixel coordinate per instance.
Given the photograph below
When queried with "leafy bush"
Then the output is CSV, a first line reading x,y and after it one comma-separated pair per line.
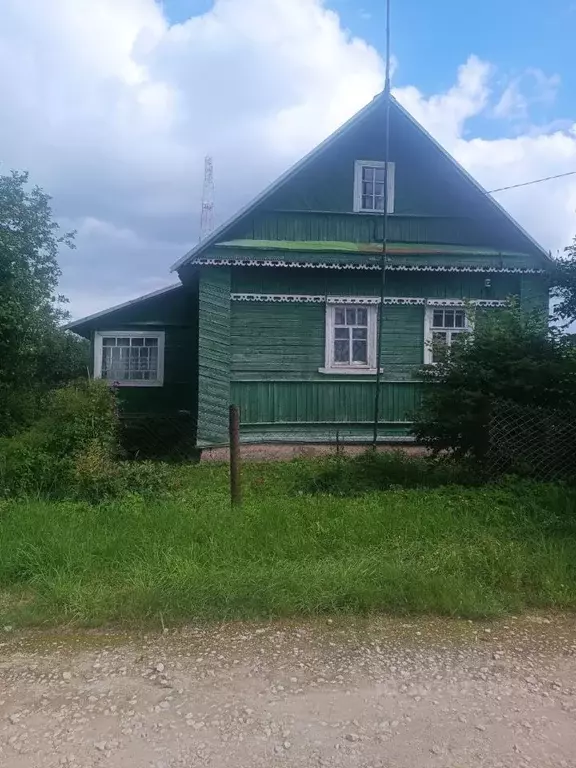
x,y
511,357
73,450
375,471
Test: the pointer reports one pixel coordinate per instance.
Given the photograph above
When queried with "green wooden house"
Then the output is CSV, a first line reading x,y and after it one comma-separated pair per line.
x,y
277,310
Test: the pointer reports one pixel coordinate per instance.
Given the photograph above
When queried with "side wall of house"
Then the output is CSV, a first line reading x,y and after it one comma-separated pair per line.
x,y
278,349
213,355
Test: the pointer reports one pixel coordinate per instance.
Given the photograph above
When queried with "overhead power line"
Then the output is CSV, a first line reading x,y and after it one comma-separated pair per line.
x,y
534,181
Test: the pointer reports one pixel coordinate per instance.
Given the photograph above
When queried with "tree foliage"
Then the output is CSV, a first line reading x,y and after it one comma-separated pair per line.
x,y
513,357
35,354
564,286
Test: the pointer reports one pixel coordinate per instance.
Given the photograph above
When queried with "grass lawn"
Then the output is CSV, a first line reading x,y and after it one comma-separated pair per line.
x,y
451,550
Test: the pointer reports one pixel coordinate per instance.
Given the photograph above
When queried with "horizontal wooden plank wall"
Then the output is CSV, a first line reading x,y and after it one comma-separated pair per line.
x,y
213,356
286,341
337,283
316,402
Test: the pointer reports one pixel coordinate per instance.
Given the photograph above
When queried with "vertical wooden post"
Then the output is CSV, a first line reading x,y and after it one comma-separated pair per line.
x,y
235,485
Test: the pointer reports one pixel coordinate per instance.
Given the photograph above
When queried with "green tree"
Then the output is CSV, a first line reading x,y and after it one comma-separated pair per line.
x,y
35,354
512,357
563,280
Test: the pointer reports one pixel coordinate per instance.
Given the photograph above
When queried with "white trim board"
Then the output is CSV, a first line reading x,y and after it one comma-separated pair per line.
x,y
287,298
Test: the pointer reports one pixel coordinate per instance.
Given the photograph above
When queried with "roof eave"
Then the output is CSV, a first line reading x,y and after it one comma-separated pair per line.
x,y
124,305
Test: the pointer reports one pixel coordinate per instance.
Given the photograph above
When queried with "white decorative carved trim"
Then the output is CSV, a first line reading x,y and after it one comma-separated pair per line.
x,y
366,267
464,302
282,298
294,298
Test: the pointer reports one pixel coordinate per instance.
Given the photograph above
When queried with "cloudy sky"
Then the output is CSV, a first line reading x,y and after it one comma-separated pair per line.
x,y
113,104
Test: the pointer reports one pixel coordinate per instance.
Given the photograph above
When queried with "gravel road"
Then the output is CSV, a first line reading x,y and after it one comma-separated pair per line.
x,y
398,693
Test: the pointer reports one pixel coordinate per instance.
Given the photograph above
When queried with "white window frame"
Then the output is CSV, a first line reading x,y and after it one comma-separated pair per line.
x,y
330,366
429,328
98,345
358,166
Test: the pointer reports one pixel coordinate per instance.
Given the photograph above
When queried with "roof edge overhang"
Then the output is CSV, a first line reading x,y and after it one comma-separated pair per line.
x,y
97,315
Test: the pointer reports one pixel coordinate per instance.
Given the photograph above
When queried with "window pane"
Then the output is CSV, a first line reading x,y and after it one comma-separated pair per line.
x,y
378,203
350,316
360,333
367,203
460,319
341,333
362,316
137,341
360,352
151,342
123,342
339,316
341,354
368,188
449,318
379,189
439,346
109,341
379,175
367,173
438,319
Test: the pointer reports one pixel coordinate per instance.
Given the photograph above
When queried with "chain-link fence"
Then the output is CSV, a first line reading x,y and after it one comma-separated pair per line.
x,y
532,442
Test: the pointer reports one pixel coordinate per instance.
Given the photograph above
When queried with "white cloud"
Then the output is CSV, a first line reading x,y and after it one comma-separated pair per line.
x,y
548,210
112,109
530,88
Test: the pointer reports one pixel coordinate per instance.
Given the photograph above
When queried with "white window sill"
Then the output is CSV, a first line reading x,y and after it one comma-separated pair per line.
x,y
350,371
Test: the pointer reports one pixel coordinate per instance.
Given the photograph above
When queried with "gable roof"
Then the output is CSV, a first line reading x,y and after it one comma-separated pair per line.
x,y
349,125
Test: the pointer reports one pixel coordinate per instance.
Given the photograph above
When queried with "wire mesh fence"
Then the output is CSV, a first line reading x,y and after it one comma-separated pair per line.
x,y
166,437
532,442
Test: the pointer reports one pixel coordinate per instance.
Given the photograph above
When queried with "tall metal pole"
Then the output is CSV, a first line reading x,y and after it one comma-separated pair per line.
x,y
384,253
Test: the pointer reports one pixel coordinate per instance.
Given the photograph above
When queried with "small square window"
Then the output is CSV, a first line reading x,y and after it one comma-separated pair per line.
x,y
370,180
130,359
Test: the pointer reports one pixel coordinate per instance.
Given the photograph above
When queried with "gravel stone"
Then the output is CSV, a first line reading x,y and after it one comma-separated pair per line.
x,y
370,693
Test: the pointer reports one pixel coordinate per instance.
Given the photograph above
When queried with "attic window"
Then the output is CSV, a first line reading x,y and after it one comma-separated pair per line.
x,y
130,358
369,184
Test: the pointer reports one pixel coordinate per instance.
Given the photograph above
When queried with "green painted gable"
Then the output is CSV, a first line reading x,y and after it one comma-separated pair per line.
x,y
435,202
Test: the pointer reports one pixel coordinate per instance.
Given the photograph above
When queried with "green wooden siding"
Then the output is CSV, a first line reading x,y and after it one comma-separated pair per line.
x,y
460,285
535,294
286,341
361,228
213,355
344,402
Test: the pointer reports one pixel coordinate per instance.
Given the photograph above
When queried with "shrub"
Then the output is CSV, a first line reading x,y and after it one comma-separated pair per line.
x,y
511,357
73,450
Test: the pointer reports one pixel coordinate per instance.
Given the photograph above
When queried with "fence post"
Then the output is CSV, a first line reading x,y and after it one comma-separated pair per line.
x,y
235,484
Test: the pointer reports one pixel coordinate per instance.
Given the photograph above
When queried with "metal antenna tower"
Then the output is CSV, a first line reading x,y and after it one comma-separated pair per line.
x,y
207,214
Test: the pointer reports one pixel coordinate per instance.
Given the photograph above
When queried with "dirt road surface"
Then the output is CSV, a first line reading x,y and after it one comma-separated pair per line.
x,y
386,693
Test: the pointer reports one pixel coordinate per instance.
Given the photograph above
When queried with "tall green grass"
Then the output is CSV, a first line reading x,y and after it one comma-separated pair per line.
x,y
451,550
